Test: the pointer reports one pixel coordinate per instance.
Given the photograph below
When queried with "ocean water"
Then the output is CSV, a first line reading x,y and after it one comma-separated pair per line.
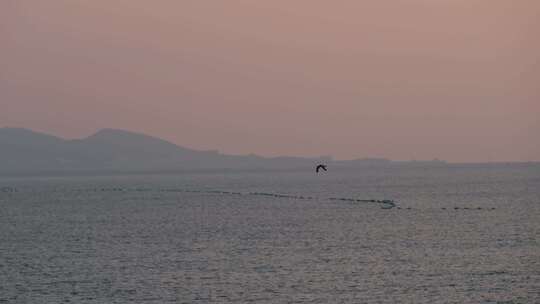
x,y
457,234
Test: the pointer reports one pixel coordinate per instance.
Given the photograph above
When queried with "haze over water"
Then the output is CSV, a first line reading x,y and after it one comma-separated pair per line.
x,y
406,79
454,80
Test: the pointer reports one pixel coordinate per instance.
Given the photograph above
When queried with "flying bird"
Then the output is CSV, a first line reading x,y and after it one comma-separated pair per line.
x,y
319,167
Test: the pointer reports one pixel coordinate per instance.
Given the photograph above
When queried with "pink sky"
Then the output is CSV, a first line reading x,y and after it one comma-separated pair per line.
x,y
403,79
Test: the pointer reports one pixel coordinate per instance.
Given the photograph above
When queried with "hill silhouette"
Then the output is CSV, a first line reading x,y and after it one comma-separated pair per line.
x,y
23,150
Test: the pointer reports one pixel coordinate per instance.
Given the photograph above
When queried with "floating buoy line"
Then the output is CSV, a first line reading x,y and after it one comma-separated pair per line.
x,y
384,204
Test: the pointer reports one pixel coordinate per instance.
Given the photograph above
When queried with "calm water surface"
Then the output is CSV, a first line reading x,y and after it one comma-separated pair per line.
x,y
459,234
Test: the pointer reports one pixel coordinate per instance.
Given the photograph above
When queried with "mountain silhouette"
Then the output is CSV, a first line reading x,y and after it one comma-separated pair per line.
x,y
23,150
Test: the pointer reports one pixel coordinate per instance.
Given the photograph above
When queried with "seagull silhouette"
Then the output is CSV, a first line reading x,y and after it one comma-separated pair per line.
x,y
319,167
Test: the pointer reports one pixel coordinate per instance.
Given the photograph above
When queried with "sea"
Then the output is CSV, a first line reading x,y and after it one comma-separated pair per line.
x,y
456,233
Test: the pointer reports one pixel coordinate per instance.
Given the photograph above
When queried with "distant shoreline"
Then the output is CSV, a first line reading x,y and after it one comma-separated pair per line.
x,y
180,171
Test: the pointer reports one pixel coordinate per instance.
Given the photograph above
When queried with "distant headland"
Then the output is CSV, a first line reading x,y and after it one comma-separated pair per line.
x,y
112,150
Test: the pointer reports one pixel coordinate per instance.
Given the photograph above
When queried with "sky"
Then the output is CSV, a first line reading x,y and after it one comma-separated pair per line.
x,y
457,80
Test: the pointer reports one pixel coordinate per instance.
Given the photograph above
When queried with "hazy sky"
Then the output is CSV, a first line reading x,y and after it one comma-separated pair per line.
x,y
404,79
